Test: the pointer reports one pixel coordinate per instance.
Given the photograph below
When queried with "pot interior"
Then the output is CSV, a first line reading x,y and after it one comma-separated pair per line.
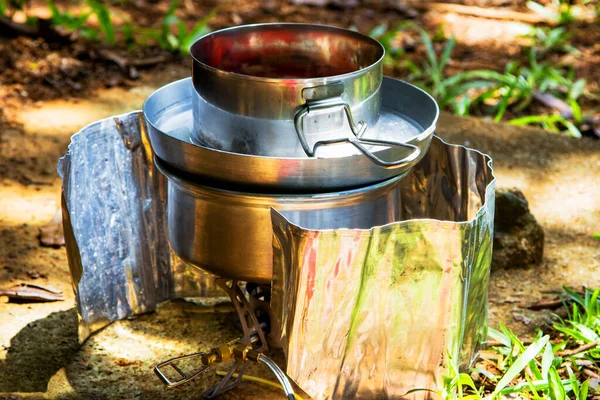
x,y
287,51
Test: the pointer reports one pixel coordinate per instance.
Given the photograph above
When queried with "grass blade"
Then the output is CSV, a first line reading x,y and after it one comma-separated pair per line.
x,y
103,16
556,388
574,296
430,51
571,128
577,89
499,337
547,359
520,363
587,333
583,390
198,31
532,119
447,53
378,31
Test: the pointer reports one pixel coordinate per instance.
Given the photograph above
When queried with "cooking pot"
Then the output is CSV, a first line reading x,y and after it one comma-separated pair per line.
x,y
290,90
229,233
408,114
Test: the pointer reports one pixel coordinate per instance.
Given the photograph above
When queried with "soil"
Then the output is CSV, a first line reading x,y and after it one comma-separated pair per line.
x,y
48,92
35,70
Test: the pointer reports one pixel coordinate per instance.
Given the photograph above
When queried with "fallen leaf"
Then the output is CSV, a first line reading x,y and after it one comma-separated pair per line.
x,y
29,292
52,235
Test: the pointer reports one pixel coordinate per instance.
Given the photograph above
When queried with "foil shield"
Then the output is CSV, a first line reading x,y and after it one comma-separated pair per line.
x,y
376,313
115,226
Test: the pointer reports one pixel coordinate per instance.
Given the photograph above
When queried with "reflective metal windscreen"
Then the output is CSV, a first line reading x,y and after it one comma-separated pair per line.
x,y
375,313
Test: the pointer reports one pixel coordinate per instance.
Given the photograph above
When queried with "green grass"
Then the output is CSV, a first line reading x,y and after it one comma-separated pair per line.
x,y
495,93
557,11
173,35
430,74
552,367
182,39
546,39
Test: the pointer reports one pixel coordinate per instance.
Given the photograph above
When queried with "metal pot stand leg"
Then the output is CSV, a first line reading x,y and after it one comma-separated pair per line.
x,y
250,346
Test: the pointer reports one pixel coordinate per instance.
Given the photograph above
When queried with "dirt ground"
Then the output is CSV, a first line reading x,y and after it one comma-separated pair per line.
x,y
43,103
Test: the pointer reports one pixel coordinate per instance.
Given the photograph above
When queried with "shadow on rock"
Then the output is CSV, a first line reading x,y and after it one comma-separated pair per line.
x,y
38,351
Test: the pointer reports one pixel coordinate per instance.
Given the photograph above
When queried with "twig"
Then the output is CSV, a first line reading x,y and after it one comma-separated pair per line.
x,y
150,61
566,111
189,6
553,102
128,66
590,373
583,363
488,12
7,25
580,349
122,62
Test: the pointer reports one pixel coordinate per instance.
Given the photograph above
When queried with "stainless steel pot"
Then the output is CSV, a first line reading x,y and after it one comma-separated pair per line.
x,y
408,114
229,233
286,90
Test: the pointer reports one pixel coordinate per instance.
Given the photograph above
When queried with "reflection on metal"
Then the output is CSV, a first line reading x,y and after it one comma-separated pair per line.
x,y
368,311
252,80
408,115
374,313
117,248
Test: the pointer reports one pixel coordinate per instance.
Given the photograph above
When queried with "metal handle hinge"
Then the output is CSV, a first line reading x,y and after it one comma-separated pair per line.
x,y
317,102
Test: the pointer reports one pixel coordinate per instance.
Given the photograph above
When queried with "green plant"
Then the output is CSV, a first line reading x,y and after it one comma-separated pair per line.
x,y
430,75
104,19
182,40
514,89
558,11
459,385
72,22
546,39
546,369
7,7
387,38
520,84
583,322
553,123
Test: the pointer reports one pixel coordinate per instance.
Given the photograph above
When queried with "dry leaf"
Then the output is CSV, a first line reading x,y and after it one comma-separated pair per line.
x,y
29,292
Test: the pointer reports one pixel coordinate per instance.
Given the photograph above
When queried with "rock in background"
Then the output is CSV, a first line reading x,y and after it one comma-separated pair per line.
x,y
518,238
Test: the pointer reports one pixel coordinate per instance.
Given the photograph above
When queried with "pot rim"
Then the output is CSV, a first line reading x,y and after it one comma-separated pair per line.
x,y
266,80
346,195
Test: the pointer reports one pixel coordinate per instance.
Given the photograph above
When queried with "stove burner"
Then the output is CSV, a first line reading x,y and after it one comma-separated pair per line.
x,y
254,323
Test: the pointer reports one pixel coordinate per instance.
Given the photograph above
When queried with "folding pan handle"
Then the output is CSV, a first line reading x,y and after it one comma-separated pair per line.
x,y
328,97
359,144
